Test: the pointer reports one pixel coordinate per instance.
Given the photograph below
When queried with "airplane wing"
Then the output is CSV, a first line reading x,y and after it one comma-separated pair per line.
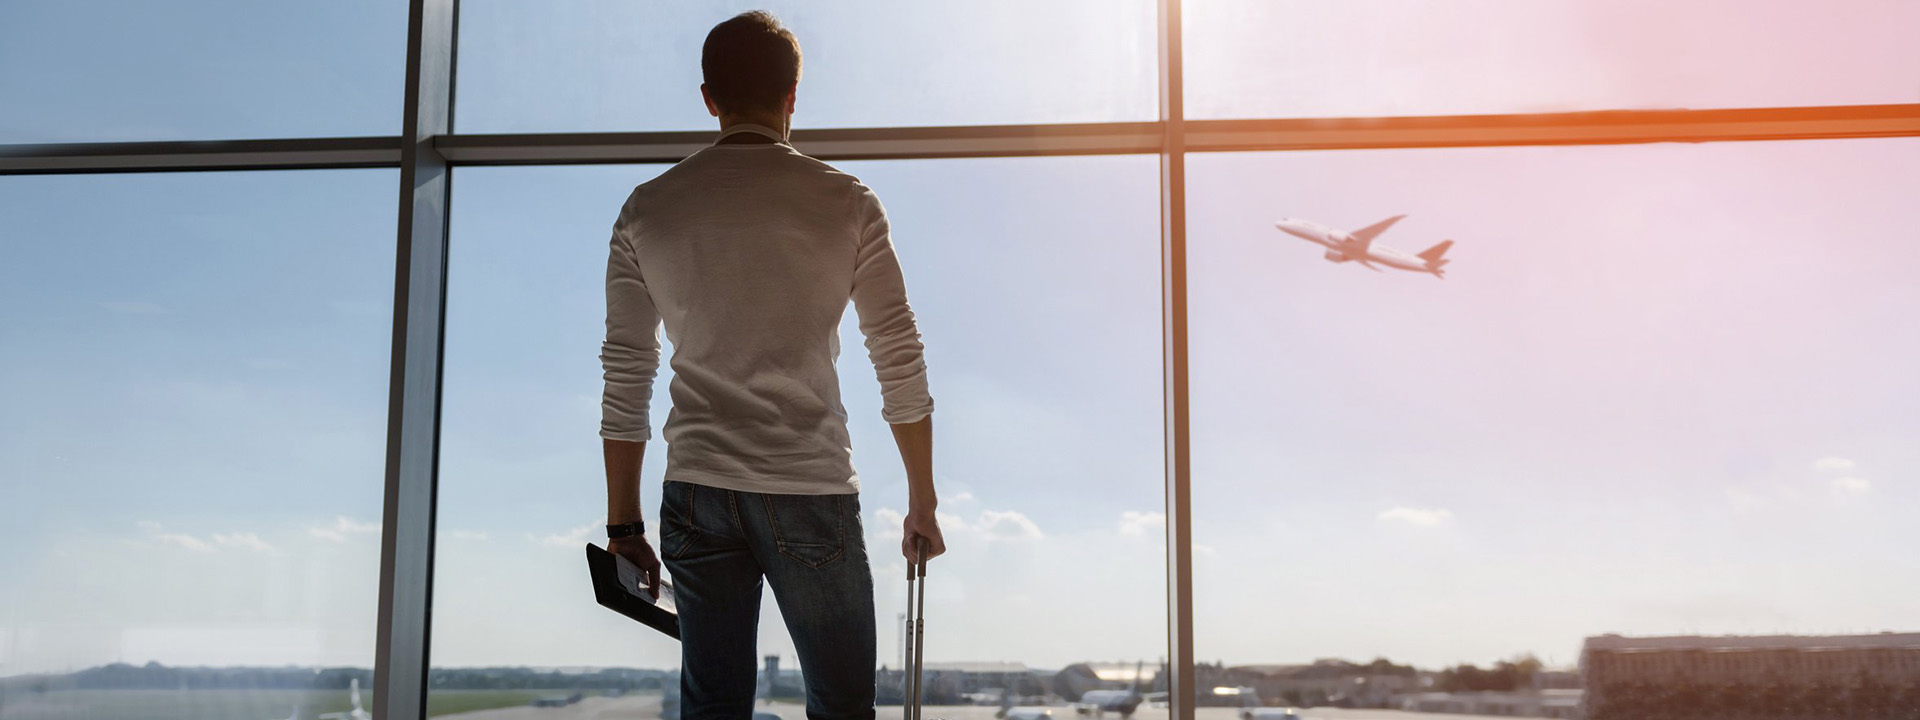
x,y
1366,234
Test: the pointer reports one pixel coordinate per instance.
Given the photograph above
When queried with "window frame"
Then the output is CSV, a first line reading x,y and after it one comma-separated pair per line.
x,y
426,152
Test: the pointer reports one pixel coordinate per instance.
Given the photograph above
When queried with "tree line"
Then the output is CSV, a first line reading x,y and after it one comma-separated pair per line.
x,y
155,676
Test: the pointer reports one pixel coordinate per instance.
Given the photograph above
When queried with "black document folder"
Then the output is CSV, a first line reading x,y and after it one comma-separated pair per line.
x,y
621,587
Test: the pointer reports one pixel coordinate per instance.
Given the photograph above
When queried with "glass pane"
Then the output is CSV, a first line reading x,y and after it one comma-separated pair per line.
x,y
192,441
1663,390
125,70
1041,320
604,65
1321,58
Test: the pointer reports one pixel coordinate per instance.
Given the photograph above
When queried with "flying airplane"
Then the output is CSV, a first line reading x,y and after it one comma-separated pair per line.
x,y
1357,246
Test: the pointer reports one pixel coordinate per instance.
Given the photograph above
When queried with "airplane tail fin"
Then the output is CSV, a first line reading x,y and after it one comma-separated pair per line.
x,y
1436,255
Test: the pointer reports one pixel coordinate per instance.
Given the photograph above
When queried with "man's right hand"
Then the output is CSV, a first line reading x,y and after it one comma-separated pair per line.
x,y
921,524
636,550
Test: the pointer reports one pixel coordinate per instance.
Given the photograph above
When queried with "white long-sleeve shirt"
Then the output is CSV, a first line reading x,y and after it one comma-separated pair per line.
x,y
749,253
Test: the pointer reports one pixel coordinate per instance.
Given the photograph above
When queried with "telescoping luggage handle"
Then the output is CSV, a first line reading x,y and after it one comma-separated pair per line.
x,y
916,630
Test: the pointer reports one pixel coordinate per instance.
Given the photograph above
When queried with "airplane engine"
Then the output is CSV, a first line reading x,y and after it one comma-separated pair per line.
x,y
1336,256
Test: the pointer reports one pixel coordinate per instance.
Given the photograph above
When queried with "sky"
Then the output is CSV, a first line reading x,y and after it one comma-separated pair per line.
x,y
1663,388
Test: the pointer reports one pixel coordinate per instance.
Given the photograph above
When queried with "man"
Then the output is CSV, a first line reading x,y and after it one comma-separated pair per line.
x,y
749,252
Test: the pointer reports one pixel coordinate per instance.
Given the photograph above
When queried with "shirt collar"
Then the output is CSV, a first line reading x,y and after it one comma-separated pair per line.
x,y
738,128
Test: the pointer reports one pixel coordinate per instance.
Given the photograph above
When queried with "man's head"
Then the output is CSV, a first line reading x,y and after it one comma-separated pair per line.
x,y
751,66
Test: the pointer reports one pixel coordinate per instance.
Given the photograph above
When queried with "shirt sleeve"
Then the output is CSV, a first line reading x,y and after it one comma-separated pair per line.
x,y
880,299
630,354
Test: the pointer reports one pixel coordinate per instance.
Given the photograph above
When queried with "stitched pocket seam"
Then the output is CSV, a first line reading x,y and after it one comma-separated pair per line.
x,y
692,533
839,526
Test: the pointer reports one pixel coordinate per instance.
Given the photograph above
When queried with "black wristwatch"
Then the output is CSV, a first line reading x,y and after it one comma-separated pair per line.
x,y
632,529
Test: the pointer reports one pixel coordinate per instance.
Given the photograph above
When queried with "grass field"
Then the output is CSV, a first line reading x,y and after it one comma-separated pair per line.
x,y
232,704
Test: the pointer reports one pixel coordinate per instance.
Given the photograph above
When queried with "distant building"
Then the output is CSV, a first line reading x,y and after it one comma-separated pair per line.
x,y
955,682
1561,679
1855,677
1324,682
1077,679
776,683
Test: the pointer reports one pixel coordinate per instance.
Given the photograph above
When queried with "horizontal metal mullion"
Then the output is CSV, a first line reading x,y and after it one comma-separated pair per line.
x,y
827,144
1583,128
1580,128
173,156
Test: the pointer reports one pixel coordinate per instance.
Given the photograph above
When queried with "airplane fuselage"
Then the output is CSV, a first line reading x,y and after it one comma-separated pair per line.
x,y
1342,247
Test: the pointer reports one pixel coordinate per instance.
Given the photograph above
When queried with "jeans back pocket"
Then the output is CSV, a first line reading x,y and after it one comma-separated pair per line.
x,y
677,531
809,529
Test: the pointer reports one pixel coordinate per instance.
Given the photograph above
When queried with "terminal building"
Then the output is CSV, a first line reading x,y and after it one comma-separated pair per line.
x,y
1831,676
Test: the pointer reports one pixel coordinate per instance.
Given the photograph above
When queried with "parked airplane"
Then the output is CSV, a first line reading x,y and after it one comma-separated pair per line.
x,y
1357,246
358,712
1100,702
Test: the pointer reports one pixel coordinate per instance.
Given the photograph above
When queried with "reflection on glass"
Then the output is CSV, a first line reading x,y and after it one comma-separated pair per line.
x,y
128,71
604,65
1663,392
194,373
1321,58
1035,282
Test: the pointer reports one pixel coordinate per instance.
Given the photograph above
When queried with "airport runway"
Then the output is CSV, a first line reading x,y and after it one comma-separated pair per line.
x,y
648,708
983,712
639,707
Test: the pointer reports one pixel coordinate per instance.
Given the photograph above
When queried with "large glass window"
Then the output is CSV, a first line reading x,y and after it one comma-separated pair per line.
x,y
603,65
194,373
114,70
1036,284
1662,389
1320,58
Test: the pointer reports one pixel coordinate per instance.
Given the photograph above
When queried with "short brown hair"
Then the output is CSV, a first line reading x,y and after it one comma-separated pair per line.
x,y
749,63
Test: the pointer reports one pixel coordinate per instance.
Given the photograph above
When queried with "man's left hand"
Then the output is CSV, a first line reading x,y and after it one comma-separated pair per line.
x,y
636,550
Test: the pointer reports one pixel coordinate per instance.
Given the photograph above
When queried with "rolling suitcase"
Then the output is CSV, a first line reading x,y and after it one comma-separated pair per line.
x,y
915,632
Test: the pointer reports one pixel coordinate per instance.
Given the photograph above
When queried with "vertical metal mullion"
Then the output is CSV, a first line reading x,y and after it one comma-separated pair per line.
x,y
413,409
1181,695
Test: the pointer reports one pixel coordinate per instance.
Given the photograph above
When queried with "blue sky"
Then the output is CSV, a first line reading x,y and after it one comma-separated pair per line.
x,y
1646,362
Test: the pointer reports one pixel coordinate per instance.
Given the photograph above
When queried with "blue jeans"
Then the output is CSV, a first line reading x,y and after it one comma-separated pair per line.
x,y
718,544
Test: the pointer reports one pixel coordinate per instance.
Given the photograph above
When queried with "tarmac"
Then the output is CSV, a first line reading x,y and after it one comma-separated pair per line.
x,y
648,708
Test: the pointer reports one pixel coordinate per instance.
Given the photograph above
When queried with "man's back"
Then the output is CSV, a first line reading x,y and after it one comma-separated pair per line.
x,y
748,253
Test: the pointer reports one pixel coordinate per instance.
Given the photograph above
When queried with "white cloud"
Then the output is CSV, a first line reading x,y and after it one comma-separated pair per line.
x,y
124,307
216,541
572,538
1133,522
991,525
886,522
1008,525
242,540
949,522
184,540
342,527
1851,486
1833,464
961,497
1417,517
